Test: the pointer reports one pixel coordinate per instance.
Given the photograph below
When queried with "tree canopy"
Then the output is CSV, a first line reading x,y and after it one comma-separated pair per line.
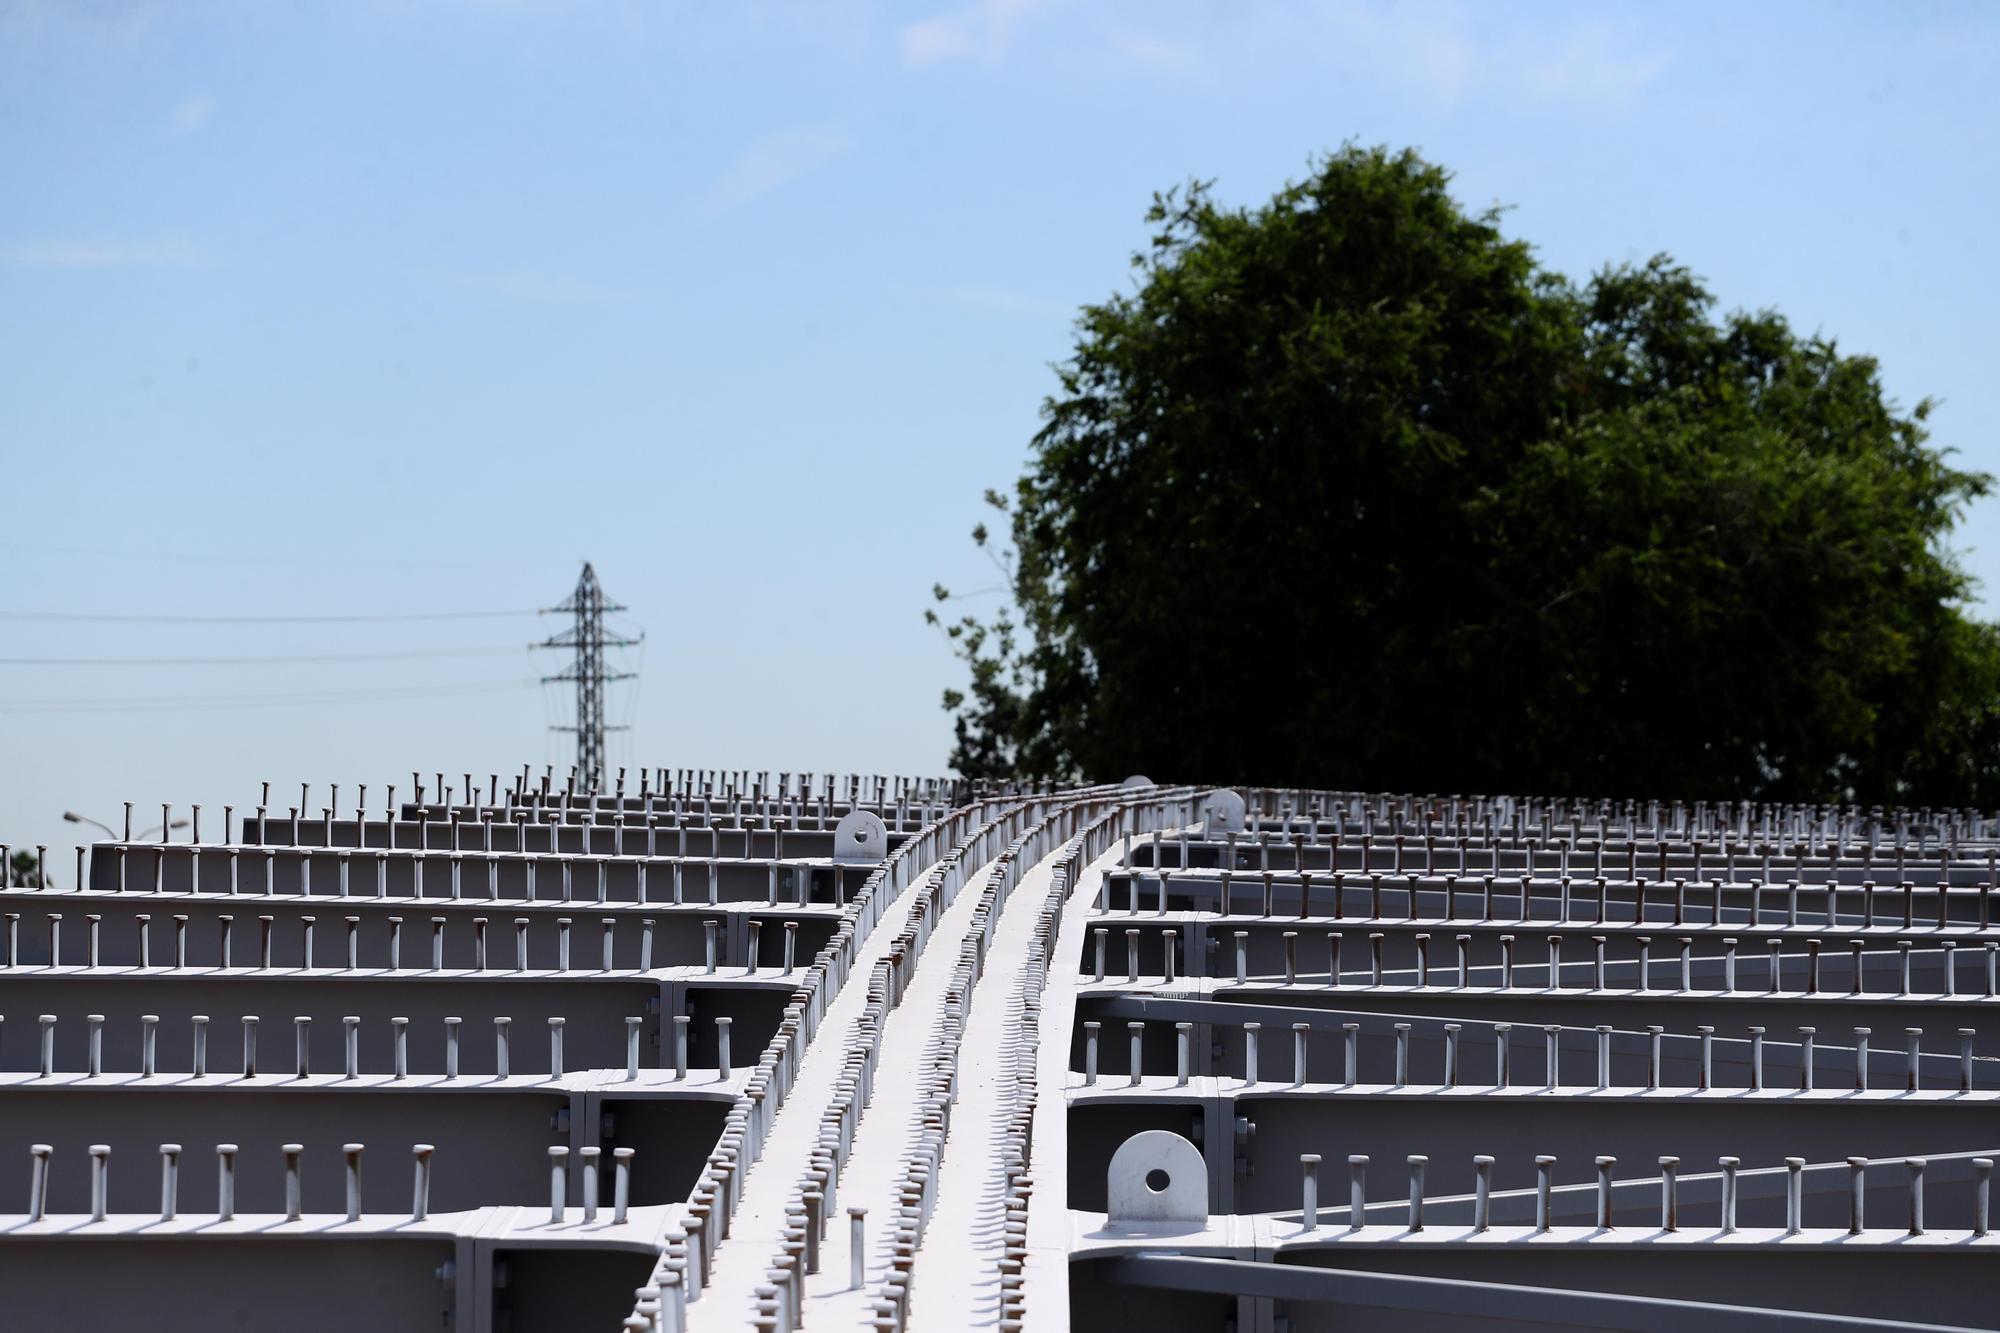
x,y
24,869
1350,492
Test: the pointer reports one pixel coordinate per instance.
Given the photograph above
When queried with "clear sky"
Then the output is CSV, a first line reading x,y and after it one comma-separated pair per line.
x,y
404,308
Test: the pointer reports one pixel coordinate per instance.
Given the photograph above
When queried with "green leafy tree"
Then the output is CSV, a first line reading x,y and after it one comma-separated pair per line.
x,y
25,873
1349,492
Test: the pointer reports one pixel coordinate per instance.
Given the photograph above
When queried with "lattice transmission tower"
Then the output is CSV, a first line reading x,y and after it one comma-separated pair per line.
x,y
588,639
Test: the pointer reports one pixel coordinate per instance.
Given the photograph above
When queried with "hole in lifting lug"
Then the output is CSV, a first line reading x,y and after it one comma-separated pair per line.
x,y
1158,1180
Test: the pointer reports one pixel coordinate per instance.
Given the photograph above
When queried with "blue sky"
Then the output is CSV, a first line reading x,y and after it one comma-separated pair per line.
x,y
401,308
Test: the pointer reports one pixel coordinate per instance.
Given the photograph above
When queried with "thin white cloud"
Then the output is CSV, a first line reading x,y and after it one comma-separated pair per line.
x,y
851,30
774,160
192,114
122,20
536,287
102,254
1591,66
1428,45
1004,301
1445,53
521,6
982,31
1160,55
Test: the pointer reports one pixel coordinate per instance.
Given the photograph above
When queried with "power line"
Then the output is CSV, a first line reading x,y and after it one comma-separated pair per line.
x,y
166,702
276,560
492,650
92,616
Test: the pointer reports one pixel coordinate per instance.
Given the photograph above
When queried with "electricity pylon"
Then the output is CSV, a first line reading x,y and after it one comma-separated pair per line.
x,y
589,640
